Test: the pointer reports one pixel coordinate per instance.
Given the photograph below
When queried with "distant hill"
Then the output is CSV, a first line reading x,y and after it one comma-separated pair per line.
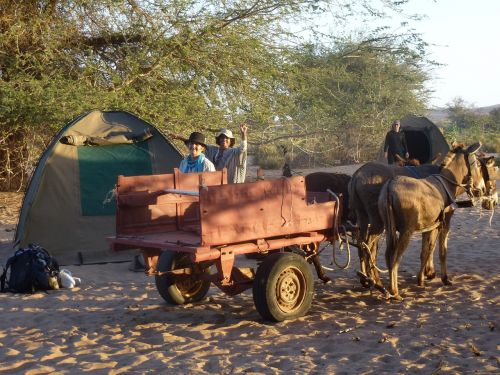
x,y
438,115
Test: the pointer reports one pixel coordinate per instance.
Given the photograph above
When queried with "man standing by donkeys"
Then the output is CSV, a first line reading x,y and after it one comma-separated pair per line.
x,y
395,143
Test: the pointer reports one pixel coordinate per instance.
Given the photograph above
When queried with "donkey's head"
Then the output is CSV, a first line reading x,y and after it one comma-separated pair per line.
x,y
462,168
476,175
489,172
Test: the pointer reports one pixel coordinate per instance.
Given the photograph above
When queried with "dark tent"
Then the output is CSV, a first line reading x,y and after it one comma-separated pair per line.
x,y
424,139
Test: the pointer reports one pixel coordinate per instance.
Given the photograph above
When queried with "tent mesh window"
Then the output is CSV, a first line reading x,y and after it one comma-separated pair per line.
x,y
99,168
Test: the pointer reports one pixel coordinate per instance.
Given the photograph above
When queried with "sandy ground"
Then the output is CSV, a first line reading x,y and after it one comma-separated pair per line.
x,y
117,323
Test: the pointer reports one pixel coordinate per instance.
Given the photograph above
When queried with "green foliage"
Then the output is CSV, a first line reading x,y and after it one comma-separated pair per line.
x,y
346,97
269,156
465,124
181,65
203,64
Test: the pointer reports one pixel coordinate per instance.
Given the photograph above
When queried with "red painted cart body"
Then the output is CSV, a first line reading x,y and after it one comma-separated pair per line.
x,y
211,222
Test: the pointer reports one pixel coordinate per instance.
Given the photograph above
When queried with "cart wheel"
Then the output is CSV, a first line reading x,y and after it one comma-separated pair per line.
x,y
283,287
296,250
182,289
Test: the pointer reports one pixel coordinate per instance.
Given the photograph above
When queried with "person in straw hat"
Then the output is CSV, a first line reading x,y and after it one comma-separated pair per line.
x,y
196,161
225,155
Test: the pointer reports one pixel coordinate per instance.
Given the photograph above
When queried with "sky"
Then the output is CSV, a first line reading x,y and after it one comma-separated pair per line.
x,y
465,36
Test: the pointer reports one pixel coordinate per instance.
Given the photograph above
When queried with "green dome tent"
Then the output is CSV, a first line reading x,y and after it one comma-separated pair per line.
x,y
424,140
69,207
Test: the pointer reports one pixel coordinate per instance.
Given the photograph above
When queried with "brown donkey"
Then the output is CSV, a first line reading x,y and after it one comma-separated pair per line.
x,y
408,205
363,192
336,182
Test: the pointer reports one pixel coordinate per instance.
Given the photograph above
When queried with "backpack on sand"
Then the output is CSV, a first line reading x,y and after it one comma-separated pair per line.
x,y
31,269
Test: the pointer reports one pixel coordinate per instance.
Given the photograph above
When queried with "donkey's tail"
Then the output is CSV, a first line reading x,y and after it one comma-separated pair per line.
x,y
387,213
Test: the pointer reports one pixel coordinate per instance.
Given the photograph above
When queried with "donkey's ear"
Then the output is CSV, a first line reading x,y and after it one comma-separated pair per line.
x,y
490,161
474,148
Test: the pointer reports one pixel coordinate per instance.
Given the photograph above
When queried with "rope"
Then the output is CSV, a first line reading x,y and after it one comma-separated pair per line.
x,y
110,196
491,216
340,239
341,245
489,198
372,264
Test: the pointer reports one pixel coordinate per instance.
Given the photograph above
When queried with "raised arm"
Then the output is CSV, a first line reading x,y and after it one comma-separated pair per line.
x,y
244,136
243,131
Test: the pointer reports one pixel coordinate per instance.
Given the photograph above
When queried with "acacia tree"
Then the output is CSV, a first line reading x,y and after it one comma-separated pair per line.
x,y
344,98
180,64
465,124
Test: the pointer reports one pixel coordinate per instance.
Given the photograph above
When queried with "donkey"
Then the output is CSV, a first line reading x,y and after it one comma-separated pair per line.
x,y
407,205
321,181
336,182
363,191
339,183
490,198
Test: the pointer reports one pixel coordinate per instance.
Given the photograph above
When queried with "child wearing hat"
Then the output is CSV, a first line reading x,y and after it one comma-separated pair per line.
x,y
196,160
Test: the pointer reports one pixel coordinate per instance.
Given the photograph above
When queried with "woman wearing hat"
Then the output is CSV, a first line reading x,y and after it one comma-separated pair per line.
x,y
225,156
196,160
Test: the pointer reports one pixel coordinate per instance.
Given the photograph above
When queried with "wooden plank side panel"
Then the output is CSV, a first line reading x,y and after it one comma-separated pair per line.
x,y
143,207
147,219
189,213
262,209
148,183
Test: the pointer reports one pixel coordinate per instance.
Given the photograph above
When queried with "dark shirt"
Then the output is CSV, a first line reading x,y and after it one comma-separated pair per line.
x,y
395,143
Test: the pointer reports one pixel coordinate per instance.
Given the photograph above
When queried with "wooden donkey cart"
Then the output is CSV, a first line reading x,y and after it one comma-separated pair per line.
x,y
187,223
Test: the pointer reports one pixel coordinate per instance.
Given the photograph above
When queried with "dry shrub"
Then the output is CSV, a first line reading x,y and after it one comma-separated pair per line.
x,y
20,149
269,156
